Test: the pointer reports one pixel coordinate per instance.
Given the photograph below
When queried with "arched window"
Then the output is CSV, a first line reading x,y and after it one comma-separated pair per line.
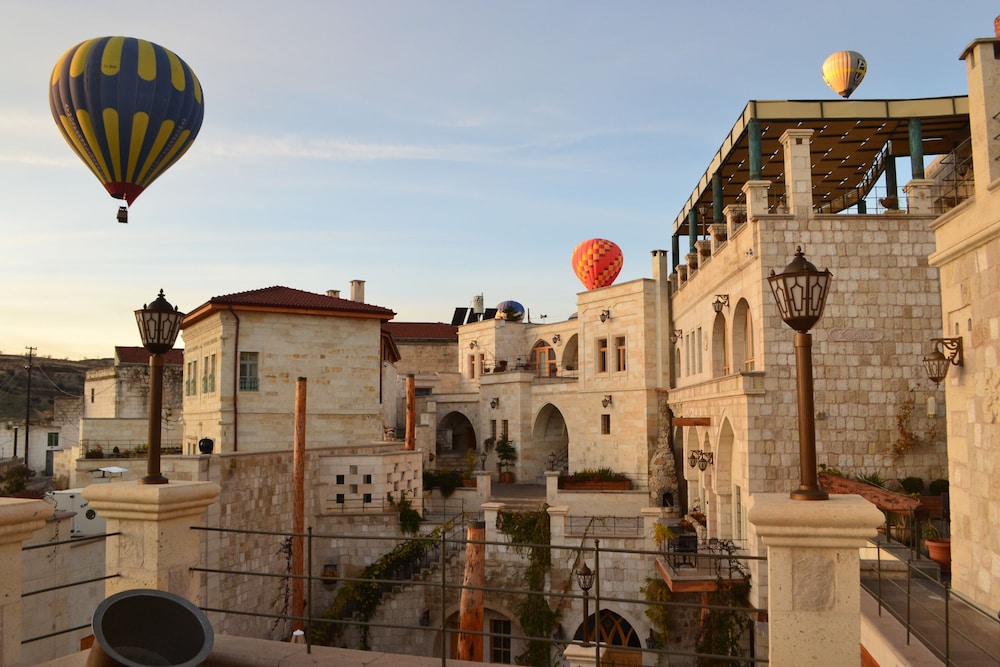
x,y
744,346
543,359
720,347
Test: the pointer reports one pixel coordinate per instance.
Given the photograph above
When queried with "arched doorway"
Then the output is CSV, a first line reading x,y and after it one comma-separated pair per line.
x,y
455,435
614,630
549,436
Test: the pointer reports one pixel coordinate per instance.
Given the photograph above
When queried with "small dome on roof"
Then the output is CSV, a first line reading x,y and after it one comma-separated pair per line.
x,y
511,311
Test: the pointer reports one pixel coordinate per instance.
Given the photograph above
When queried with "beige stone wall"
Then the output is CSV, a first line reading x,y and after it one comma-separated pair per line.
x,y
257,495
59,610
339,357
100,393
882,308
968,255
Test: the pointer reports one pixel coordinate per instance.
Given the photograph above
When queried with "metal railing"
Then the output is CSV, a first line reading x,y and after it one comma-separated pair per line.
x,y
429,568
604,526
72,584
952,627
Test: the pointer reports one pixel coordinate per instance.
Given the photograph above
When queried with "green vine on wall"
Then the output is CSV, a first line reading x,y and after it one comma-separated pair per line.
x,y
361,599
723,629
529,533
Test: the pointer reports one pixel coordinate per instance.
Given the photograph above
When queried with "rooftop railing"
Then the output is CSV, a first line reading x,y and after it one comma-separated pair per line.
x,y
431,566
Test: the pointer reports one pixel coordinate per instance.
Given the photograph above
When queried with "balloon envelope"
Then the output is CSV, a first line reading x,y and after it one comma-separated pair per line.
x,y
843,71
597,262
128,108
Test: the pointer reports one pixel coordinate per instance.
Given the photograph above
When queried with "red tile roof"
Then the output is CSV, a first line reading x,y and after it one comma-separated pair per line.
x,y
422,330
140,355
286,298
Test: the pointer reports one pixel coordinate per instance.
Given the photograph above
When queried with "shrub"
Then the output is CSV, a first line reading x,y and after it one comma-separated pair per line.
x,y
937,487
912,485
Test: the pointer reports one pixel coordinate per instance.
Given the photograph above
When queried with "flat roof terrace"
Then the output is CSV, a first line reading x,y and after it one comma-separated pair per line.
x,y
851,142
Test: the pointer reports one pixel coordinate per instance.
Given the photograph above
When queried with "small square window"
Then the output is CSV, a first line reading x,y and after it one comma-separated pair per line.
x,y
354,489
367,498
354,470
340,479
340,498
605,424
367,479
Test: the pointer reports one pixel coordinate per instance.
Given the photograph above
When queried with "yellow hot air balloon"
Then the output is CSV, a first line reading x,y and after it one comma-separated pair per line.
x,y
843,71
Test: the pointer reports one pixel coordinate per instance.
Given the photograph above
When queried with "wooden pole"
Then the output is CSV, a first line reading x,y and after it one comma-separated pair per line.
x,y
299,511
411,412
470,610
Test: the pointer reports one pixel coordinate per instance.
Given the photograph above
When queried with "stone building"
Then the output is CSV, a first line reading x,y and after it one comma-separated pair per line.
x,y
245,352
115,414
796,175
967,254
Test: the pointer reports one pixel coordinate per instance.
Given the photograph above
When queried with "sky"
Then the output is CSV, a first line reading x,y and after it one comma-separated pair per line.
x,y
436,149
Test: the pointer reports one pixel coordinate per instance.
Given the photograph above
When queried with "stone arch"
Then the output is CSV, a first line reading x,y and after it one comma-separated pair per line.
x,y
549,435
614,630
455,435
570,360
720,347
725,457
744,348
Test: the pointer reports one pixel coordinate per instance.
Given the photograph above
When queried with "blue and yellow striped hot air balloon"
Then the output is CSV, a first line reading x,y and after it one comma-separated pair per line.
x,y
129,108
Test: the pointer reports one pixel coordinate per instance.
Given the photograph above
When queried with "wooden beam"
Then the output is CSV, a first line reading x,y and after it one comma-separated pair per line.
x,y
692,421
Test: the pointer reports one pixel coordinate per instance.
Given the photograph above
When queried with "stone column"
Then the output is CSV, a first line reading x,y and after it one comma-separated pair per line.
x,y
798,172
19,519
156,547
756,198
814,580
919,192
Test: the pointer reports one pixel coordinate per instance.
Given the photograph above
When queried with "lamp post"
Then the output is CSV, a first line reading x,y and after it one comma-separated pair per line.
x,y
585,579
800,292
159,323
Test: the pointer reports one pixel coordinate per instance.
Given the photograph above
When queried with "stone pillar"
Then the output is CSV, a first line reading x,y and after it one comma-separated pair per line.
x,y
552,487
484,485
919,194
814,580
650,517
798,172
756,198
19,519
156,547
982,71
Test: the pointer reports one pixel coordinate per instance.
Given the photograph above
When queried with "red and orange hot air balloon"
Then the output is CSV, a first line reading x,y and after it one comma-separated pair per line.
x,y
128,108
597,262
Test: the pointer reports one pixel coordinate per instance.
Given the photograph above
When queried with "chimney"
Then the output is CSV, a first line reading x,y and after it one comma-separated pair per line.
x,y
358,291
334,293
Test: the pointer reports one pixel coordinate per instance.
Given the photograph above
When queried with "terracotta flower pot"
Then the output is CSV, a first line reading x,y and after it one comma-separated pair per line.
x,y
939,551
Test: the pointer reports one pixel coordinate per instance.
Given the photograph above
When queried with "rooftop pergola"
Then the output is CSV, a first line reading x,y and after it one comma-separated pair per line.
x,y
851,144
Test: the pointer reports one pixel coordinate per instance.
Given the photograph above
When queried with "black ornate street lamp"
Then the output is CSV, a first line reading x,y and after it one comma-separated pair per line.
x,y
800,292
585,580
159,324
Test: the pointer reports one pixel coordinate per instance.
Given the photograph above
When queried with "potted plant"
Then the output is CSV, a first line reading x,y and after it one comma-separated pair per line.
x,y
938,548
601,479
506,456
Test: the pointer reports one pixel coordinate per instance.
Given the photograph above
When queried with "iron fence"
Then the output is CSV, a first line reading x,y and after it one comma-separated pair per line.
x,y
428,568
72,584
914,591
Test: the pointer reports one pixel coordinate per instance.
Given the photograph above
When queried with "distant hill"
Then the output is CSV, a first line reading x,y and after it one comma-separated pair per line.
x,y
50,378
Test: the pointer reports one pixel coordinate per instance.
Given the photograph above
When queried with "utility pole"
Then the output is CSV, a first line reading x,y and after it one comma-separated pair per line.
x,y
27,410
